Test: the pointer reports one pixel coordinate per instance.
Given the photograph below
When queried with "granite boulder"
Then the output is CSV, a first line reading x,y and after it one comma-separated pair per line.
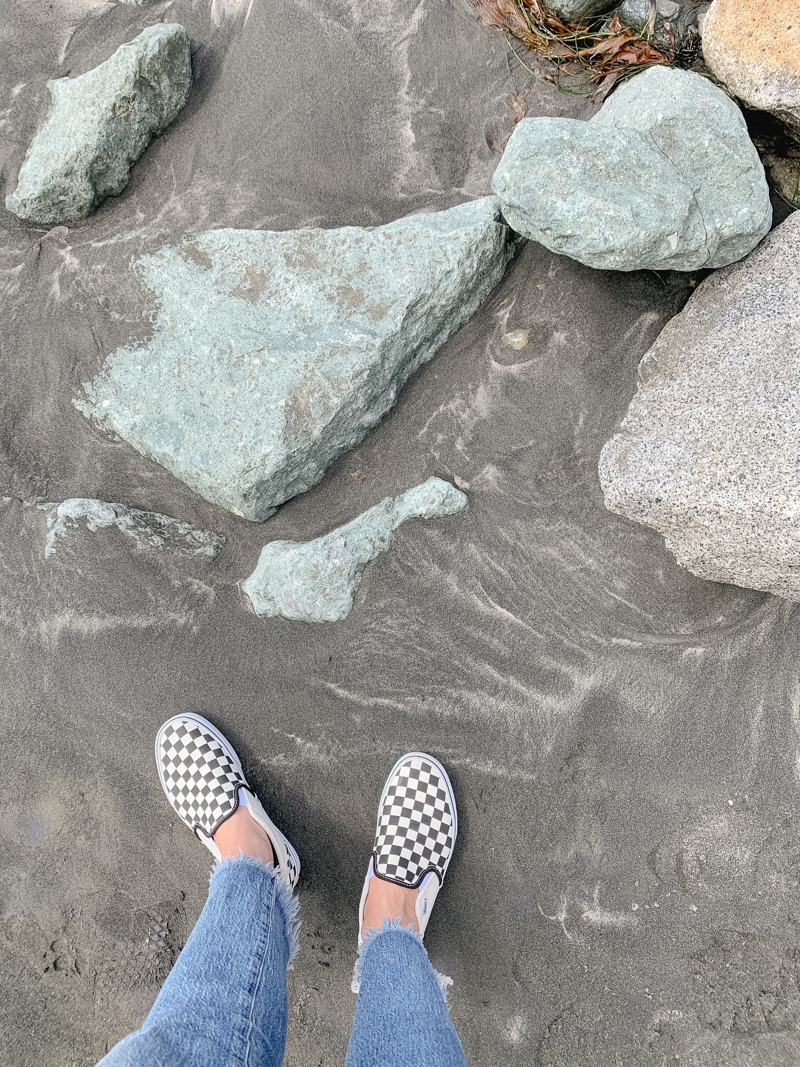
x,y
707,453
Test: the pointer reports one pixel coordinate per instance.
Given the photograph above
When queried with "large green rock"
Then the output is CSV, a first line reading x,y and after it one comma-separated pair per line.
x,y
99,124
315,581
273,353
607,198
664,176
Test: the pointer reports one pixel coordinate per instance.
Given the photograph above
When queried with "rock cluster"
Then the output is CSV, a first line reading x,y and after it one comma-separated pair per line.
x,y
315,581
707,453
753,46
273,353
99,124
663,177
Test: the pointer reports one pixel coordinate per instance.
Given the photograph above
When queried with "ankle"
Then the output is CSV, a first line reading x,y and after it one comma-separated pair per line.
x,y
385,900
240,835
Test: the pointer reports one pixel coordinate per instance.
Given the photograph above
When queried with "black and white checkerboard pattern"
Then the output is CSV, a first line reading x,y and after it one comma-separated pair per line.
x,y
415,825
201,780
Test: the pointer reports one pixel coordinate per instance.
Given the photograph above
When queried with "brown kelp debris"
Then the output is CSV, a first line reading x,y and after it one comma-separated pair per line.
x,y
603,50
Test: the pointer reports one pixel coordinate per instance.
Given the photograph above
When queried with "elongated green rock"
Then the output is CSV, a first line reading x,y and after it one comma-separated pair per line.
x,y
315,581
146,528
99,124
273,353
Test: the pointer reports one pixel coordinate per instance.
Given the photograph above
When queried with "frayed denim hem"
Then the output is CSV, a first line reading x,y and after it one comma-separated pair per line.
x,y
289,905
369,937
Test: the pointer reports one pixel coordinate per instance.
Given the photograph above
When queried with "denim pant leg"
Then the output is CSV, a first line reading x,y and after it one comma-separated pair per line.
x,y
224,1001
401,1017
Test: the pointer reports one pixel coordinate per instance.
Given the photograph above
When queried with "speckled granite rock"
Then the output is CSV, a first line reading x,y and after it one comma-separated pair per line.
x,y
663,177
99,124
753,46
145,527
315,581
273,353
708,451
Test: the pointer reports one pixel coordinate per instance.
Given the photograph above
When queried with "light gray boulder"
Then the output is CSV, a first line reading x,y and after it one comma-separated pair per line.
x,y
146,528
315,581
99,124
273,353
663,177
708,451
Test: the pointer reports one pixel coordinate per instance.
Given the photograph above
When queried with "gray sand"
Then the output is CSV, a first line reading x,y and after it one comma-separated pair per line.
x,y
624,738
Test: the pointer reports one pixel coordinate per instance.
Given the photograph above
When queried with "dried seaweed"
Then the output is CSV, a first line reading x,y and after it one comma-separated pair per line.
x,y
603,50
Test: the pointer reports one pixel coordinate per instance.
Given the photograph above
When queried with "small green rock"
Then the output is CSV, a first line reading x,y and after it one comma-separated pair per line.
x,y
99,124
315,581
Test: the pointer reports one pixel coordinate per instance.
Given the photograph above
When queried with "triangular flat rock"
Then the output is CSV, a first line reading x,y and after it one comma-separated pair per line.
x,y
273,353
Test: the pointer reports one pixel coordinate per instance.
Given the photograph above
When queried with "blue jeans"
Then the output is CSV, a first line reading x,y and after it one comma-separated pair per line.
x,y
224,1002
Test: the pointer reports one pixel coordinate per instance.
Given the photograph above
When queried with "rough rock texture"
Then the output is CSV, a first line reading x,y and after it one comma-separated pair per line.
x,y
637,12
145,527
602,196
572,10
273,353
315,581
753,46
707,453
99,124
703,135
663,177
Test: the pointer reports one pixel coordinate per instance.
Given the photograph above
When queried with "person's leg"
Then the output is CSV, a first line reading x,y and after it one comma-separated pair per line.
x,y
401,1017
224,1002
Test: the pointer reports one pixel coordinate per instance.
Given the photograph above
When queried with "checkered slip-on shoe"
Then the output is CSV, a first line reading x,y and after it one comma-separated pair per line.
x,y
204,782
416,832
